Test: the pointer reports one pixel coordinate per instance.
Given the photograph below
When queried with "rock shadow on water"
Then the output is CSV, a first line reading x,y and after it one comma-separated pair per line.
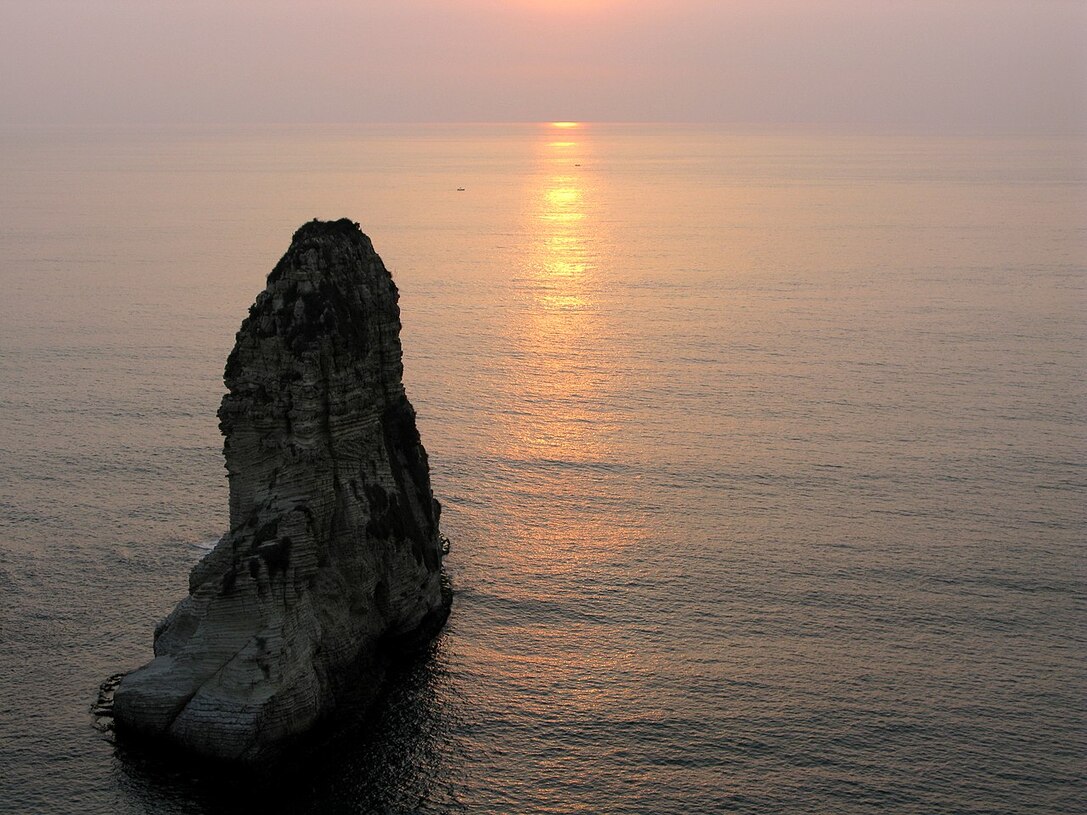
x,y
382,755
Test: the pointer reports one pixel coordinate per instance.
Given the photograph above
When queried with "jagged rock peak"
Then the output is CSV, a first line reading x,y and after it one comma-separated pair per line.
x,y
334,549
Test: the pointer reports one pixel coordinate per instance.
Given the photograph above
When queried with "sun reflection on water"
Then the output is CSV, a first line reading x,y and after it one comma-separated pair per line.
x,y
564,425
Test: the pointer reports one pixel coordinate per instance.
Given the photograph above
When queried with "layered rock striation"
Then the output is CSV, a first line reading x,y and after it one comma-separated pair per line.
x,y
334,553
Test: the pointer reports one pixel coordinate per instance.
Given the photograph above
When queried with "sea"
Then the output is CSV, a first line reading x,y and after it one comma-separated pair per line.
x,y
762,455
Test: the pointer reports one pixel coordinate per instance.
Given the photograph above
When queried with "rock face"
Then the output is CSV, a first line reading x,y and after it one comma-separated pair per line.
x,y
333,554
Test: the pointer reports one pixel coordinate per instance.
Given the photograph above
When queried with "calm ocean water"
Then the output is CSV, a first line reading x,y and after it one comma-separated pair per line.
x,y
762,455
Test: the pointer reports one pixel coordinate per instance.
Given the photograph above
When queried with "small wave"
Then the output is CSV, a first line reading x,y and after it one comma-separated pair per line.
x,y
207,546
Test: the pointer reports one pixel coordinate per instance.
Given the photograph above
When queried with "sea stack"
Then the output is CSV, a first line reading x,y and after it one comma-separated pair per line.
x,y
333,557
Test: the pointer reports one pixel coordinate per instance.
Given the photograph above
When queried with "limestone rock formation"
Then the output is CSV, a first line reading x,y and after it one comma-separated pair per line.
x,y
333,554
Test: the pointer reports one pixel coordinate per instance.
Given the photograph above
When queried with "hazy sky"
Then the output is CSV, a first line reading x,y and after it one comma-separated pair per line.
x,y
961,64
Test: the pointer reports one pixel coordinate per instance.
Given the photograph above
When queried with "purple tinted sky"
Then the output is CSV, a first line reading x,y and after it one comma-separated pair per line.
x,y
956,64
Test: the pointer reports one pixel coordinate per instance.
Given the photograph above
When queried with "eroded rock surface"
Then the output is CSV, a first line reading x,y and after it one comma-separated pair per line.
x,y
333,552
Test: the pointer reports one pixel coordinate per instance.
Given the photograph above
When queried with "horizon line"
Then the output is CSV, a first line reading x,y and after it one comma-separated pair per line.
x,y
962,129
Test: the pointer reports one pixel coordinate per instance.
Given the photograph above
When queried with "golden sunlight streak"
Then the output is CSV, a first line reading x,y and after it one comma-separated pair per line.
x,y
562,428
559,333
562,203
